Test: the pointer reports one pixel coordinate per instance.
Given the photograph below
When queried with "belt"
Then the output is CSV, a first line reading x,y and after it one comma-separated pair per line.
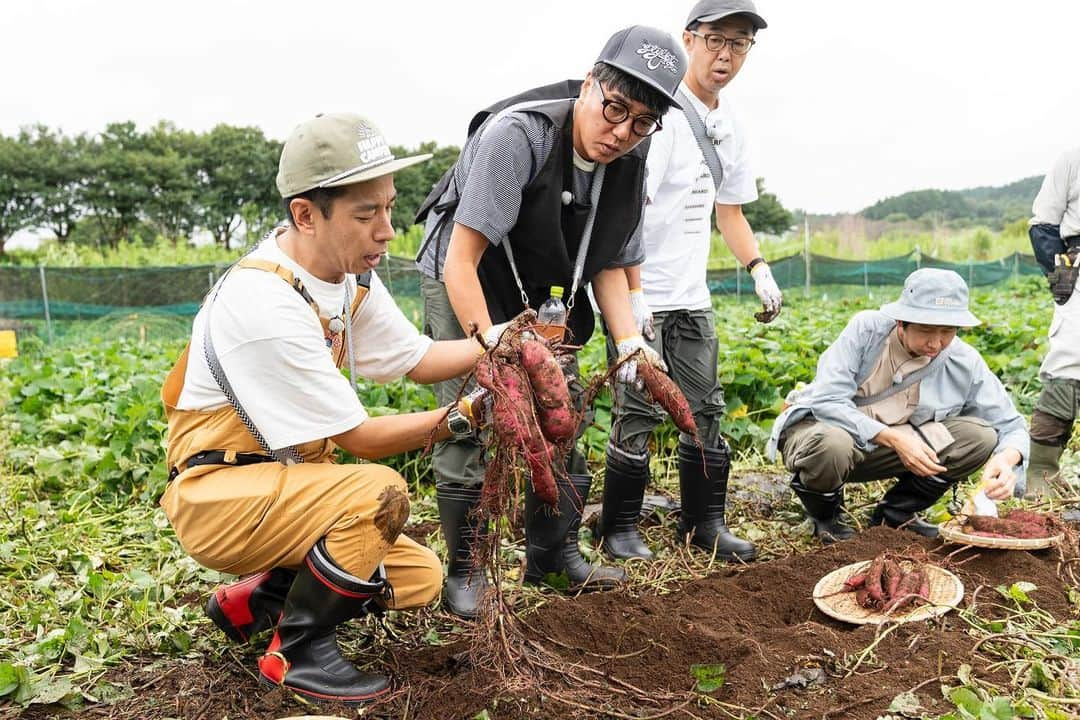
x,y
217,457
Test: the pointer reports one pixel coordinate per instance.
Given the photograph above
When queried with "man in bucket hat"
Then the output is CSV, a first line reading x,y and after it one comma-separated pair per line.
x,y
898,394
669,294
548,191
257,405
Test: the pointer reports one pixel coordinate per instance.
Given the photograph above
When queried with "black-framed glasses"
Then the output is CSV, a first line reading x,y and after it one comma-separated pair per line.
x,y
616,112
716,43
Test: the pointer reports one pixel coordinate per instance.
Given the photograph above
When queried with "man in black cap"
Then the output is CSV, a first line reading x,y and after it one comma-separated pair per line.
x,y
548,192
700,163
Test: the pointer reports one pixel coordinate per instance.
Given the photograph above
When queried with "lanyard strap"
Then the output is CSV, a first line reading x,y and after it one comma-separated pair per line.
x,y
708,152
583,248
907,382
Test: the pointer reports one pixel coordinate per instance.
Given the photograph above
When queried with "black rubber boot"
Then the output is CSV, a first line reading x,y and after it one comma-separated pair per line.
x,y
624,488
908,496
251,604
703,487
823,509
304,655
552,554
465,585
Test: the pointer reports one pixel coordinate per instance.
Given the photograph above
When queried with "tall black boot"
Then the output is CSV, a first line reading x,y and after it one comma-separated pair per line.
x,y
552,540
703,487
823,509
908,496
303,655
624,488
251,604
462,530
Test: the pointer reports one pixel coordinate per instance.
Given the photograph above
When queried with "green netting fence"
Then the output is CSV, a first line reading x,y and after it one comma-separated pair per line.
x,y
87,293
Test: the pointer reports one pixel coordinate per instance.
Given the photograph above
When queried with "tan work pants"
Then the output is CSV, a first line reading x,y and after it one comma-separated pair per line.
x,y
252,518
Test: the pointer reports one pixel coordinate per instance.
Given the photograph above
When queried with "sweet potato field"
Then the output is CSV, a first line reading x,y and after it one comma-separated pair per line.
x,y
101,610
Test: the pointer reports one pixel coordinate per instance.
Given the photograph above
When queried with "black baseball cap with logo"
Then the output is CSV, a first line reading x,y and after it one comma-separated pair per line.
x,y
650,55
712,10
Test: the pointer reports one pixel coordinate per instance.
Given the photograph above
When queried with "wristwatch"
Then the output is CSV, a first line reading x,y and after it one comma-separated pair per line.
x,y
460,426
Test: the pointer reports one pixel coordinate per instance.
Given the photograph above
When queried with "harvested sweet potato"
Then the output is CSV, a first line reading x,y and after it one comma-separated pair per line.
x,y
1007,526
514,422
908,591
891,576
558,420
874,588
663,390
855,581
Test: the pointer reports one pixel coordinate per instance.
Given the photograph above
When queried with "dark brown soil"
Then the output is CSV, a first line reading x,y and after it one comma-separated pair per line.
x,y
758,621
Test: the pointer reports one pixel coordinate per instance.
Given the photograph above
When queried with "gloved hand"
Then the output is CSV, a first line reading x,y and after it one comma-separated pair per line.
x,y
768,291
627,372
493,333
642,314
476,405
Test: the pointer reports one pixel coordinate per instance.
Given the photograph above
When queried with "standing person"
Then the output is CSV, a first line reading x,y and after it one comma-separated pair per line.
x,y
547,192
899,395
257,404
1055,238
700,162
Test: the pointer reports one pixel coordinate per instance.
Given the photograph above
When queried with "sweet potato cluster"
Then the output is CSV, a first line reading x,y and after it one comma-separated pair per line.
x,y
1022,524
533,418
889,584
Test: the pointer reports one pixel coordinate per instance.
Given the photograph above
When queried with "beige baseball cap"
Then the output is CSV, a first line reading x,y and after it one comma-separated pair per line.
x,y
336,149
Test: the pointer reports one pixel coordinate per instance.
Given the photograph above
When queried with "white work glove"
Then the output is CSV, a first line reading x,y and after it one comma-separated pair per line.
x,y
493,333
627,372
642,314
768,291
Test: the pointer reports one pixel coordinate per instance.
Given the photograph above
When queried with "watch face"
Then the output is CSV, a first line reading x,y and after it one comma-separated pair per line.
x,y
458,423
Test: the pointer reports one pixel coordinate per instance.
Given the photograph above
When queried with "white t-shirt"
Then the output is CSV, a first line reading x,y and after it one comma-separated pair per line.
x,y
680,196
275,355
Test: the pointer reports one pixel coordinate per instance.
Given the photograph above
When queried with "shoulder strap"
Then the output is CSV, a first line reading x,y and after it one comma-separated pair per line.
x,y
284,273
933,366
702,136
285,456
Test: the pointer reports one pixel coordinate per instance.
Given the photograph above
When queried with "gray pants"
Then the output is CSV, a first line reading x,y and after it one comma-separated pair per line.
x,y
826,457
686,340
460,462
1055,412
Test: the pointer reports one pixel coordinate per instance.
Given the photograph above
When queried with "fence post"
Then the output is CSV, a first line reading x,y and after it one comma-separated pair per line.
x,y
210,277
738,280
45,299
1016,264
806,254
865,279
971,272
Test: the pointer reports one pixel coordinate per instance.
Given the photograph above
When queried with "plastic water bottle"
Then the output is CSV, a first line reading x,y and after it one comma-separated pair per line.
x,y
551,318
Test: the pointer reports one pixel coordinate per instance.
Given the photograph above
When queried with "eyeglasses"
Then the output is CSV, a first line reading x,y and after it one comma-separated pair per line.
x,y
716,43
616,112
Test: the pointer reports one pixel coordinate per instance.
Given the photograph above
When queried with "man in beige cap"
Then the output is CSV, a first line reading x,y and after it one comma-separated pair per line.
x,y
898,394
257,405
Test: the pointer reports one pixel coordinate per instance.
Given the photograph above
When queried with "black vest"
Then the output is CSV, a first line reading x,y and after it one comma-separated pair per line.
x,y
547,234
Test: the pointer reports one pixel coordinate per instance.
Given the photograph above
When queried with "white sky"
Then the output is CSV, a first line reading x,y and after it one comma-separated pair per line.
x,y
847,101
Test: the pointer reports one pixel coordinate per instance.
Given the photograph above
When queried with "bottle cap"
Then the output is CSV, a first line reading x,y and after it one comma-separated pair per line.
x,y
556,291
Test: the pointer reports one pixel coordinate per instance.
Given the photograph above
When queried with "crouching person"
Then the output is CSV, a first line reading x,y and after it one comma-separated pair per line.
x,y
899,395
257,405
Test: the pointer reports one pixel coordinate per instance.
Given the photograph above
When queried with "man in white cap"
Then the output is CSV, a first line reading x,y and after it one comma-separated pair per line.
x,y
1055,238
898,394
257,405
548,192
699,164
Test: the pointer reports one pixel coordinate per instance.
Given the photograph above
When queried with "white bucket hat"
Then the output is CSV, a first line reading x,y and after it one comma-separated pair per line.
x,y
932,296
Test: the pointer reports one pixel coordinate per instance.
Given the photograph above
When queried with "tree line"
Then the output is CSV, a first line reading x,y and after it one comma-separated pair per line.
x,y
126,183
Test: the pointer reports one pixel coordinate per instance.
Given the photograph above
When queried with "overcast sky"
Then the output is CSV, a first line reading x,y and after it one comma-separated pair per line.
x,y
847,101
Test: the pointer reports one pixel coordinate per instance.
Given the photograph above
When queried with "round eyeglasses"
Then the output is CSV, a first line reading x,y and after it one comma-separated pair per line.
x,y
716,43
616,112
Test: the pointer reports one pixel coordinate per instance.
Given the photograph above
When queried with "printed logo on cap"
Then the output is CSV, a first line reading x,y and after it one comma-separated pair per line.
x,y
372,145
658,57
